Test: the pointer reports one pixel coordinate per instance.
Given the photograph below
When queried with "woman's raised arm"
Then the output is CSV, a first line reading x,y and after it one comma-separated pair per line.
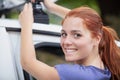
x,y
29,62
56,9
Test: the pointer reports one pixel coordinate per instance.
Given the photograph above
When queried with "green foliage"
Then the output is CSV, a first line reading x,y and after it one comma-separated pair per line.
x,y
12,15
77,3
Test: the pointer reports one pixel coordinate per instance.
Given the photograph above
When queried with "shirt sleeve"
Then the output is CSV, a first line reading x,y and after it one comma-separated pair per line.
x,y
71,72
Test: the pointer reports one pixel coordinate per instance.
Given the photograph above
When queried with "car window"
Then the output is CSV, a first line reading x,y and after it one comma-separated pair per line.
x,y
48,54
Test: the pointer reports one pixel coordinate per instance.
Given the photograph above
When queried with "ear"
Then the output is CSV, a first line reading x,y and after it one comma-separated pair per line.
x,y
97,39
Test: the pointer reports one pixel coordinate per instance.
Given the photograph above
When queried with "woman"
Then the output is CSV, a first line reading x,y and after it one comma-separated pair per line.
x,y
84,40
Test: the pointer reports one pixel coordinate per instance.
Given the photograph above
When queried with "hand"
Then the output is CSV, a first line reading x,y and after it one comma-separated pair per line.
x,y
49,4
26,16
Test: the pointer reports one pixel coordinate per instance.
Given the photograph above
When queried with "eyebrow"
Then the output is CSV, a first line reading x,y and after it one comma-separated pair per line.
x,y
75,31
72,31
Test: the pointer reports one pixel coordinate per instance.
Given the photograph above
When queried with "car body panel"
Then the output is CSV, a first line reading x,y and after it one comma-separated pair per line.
x,y
43,35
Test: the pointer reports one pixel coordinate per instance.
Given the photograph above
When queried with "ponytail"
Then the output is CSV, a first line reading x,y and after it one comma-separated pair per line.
x,y
110,53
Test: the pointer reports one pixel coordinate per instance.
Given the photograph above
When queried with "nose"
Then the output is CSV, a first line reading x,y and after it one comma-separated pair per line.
x,y
66,40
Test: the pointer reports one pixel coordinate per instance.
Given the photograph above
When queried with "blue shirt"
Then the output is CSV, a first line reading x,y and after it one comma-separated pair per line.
x,y
80,72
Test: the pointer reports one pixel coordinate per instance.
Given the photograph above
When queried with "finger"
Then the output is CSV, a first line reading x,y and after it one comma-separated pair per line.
x,y
30,6
25,6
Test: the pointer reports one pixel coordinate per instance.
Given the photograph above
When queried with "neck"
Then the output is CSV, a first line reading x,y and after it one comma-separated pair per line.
x,y
92,60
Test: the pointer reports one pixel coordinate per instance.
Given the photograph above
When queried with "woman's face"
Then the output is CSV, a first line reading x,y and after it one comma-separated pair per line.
x,y
76,40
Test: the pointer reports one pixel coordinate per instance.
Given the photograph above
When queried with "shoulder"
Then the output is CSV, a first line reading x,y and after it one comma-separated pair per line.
x,y
77,72
71,67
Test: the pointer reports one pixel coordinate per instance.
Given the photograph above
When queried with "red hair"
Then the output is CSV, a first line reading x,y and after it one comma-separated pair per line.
x,y
108,50
114,33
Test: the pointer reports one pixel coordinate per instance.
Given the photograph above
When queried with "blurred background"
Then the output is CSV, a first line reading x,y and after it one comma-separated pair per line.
x,y
109,10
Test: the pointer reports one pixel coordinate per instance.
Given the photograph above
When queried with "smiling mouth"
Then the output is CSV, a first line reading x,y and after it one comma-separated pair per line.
x,y
70,51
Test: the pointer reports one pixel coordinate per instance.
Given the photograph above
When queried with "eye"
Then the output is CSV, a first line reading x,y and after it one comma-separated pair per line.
x,y
77,35
63,34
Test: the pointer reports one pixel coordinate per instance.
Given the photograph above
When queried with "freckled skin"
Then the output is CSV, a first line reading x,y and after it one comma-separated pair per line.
x,y
76,48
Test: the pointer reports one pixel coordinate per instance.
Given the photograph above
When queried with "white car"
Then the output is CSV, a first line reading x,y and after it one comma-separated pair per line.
x,y
44,35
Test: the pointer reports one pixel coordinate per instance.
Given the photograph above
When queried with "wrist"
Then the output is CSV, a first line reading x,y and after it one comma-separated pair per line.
x,y
49,5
